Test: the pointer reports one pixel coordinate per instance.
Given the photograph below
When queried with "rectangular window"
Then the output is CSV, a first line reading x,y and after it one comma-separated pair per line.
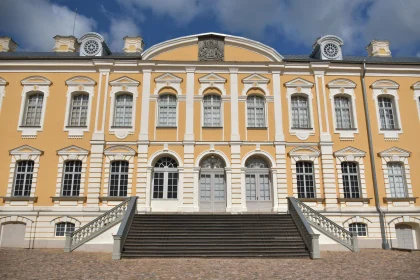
x,y
300,112
212,108
167,110
158,184
71,178
305,179
396,179
62,228
23,178
359,229
118,178
343,112
33,110
255,111
123,110
350,175
386,113
79,110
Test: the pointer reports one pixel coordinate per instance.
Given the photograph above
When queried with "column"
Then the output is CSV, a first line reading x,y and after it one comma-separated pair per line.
x,y
234,104
281,175
143,178
145,104
189,120
278,109
95,174
238,198
187,191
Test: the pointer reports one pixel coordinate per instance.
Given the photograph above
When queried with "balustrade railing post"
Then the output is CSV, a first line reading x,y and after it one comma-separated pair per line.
x,y
67,244
116,252
315,254
355,243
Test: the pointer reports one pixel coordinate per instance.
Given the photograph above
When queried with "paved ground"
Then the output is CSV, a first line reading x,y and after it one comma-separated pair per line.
x,y
55,264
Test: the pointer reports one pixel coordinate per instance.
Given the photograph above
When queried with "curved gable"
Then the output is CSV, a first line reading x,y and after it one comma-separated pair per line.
x,y
235,49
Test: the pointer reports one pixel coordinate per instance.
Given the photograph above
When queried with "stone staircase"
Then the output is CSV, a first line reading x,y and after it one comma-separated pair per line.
x,y
214,235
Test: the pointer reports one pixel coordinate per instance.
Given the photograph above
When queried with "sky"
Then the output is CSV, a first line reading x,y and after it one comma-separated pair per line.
x,y
289,26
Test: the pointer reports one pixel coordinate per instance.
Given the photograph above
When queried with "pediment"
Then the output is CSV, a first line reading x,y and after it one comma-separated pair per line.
x,y
75,150
212,78
385,84
299,82
415,86
2,82
80,80
124,81
341,83
36,80
349,151
304,151
394,151
119,149
255,78
25,149
168,77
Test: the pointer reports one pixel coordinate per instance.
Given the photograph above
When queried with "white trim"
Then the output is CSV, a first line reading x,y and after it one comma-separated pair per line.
x,y
168,80
300,86
388,88
222,101
84,85
189,104
260,153
416,88
255,81
33,84
245,99
3,84
234,105
120,86
346,88
278,109
351,154
158,154
145,106
212,81
396,154
245,43
306,154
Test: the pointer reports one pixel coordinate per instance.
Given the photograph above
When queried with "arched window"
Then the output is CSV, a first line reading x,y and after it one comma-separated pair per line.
x,y
71,178
257,184
351,180
79,110
62,228
165,178
255,111
167,110
23,178
118,178
387,112
212,184
123,110
212,110
343,112
33,110
305,179
359,229
396,177
300,112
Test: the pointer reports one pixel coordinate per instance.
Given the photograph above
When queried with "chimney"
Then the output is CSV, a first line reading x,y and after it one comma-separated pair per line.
x,y
379,48
133,44
7,44
66,44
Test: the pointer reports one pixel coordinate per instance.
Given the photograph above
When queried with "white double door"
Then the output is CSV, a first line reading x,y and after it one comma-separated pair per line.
x,y
212,191
258,192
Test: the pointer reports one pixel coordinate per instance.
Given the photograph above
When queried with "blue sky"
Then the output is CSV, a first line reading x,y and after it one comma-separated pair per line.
x,y
289,26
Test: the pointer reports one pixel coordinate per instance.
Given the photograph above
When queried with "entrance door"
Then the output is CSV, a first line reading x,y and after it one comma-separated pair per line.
x,y
13,235
212,192
258,193
404,236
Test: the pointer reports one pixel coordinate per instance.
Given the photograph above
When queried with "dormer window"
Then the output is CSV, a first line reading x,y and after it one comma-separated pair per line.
x,y
91,47
93,44
328,48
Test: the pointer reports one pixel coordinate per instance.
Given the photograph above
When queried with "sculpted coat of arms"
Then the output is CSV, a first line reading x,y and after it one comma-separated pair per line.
x,y
211,49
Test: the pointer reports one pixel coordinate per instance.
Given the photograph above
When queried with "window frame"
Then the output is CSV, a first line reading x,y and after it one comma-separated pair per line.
x,y
120,179
212,95
348,175
341,109
264,107
74,95
65,230
393,188
73,173
125,106
166,170
25,112
360,229
381,99
305,187
25,173
292,97
159,108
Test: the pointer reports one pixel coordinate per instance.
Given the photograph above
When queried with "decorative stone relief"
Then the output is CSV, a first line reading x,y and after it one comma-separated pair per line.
x,y
211,49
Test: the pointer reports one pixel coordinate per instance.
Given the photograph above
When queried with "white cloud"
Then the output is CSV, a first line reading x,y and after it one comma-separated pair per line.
x,y
34,23
118,30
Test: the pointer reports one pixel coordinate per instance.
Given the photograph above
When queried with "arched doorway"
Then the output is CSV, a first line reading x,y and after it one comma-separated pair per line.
x,y
405,237
212,189
165,179
258,185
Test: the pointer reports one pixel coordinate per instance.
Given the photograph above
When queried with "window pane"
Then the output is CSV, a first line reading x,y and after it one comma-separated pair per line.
x,y
71,178
211,107
350,176
300,112
33,110
386,113
123,110
343,112
23,178
396,178
305,179
255,111
358,228
118,181
78,110
167,110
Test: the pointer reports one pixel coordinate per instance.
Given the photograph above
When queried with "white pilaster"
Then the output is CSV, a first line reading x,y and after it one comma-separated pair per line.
x,y
238,198
143,181
145,105
328,176
277,106
234,104
281,175
95,174
189,120
187,193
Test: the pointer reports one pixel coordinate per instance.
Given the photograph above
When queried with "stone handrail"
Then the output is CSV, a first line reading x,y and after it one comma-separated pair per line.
x,y
309,237
328,227
119,238
96,227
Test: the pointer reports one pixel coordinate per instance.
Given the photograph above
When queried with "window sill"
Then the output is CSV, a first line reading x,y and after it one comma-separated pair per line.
x,y
76,127
395,129
257,127
68,198
346,129
400,199
364,200
121,127
163,199
30,126
112,198
172,127
318,200
19,198
212,127
301,128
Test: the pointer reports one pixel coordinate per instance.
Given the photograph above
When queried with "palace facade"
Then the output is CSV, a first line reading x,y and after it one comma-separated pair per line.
x,y
208,123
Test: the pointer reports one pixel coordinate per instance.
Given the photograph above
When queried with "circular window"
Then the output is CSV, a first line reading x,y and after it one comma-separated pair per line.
x,y
331,50
91,47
